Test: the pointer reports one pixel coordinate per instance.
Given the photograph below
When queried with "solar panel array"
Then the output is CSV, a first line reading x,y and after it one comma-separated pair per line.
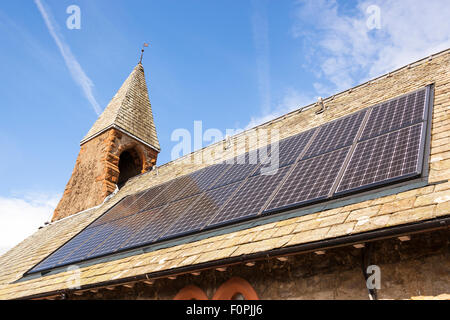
x,y
374,146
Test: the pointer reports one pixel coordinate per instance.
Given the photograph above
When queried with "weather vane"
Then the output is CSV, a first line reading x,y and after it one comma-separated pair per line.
x,y
142,51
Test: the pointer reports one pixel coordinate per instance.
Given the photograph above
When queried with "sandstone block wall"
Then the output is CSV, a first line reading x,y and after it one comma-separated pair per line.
x,y
418,267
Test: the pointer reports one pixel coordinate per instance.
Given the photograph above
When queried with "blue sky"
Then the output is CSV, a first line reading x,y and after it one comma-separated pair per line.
x,y
231,64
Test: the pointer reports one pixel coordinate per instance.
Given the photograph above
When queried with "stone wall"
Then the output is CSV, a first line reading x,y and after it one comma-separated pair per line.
x,y
411,268
96,171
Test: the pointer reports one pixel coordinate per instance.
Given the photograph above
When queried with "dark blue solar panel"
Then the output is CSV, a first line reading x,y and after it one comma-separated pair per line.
x,y
204,210
291,148
83,252
172,212
171,193
146,231
55,258
395,155
311,180
235,172
241,167
396,113
147,198
336,134
162,221
123,230
118,211
249,200
201,180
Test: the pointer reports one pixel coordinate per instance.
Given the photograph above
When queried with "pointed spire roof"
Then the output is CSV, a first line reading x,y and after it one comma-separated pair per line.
x,y
129,111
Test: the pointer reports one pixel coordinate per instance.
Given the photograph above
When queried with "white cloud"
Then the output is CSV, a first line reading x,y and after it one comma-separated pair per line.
x,y
21,216
292,100
341,50
344,52
76,71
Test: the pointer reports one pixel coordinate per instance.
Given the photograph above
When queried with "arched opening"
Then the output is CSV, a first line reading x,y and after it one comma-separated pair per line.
x,y
191,293
238,296
130,165
236,289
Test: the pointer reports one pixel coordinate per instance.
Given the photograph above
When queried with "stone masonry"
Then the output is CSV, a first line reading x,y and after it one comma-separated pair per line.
x,y
96,171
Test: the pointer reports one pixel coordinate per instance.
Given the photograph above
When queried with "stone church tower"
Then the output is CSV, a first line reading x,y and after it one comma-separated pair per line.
x,y
121,144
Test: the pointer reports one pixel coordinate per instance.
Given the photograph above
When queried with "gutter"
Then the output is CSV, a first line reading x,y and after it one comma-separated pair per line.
x,y
370,236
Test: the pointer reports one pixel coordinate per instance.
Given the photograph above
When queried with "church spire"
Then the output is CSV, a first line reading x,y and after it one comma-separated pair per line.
x,y
121,144
129,111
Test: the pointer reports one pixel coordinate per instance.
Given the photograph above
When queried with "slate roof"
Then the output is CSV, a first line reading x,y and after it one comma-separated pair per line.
x,y
129,110
358,215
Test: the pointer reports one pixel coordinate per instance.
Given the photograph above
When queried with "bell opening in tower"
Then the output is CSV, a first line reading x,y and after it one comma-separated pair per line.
x,y
130,165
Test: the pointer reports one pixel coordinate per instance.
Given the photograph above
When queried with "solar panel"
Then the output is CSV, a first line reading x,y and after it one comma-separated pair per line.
x,y
382,159
202,179
119,210
122,231
243,167
184,187
235,172
54,259
396,113
83,252
310,180
336,134
150,221
291,148
171,193
166,216
147,198
249,200
208,205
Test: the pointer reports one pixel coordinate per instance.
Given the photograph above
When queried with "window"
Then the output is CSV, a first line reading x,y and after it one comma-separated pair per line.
x,y
236,289
191,293
130,165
